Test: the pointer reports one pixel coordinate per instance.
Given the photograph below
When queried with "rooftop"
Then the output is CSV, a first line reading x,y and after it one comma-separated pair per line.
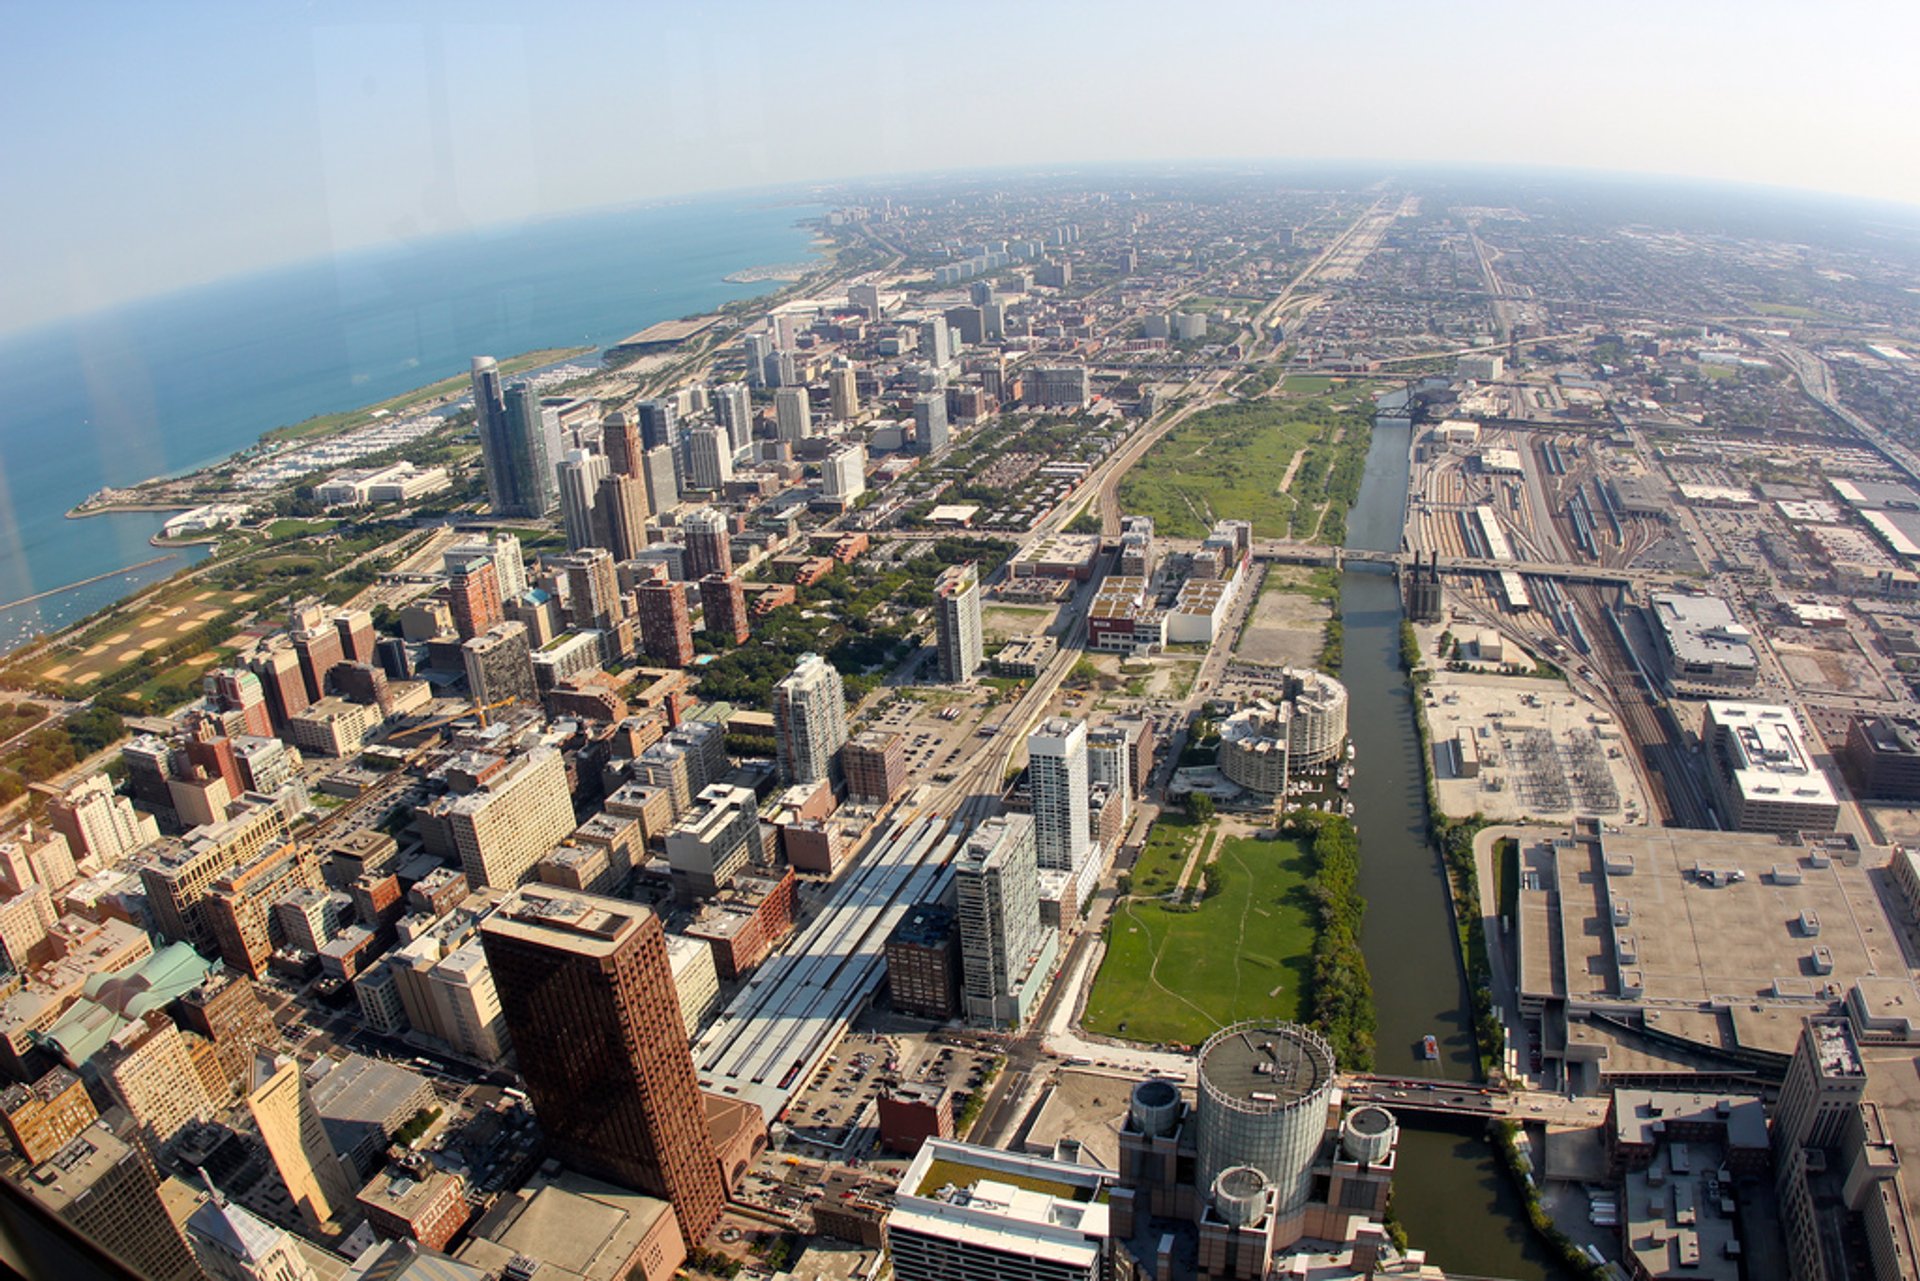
x,y
1270,1064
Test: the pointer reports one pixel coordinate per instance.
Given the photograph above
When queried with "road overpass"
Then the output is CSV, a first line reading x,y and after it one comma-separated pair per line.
x,y
1287,551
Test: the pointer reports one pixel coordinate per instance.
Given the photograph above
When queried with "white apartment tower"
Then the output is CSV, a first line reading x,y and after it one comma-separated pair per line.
x,y
810,720
957,608
997,883
1057,776
792,416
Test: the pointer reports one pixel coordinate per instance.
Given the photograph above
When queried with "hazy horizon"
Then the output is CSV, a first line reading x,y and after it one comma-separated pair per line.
x,y
159,149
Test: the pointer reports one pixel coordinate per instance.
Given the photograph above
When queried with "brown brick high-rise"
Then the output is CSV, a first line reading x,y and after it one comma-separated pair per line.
x,y
588,996
724,600
666,629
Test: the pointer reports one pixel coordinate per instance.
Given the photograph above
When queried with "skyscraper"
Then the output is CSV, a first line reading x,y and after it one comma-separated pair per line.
x,y
512,819
733,409
936,342
658,423
843,474
499,665
234,689
709,458
757,349
621,511
997,884
587,991
930,422
1057,776
297,1141
318,646
620,442
843,392
666,629
108,1191
355,629
709,548
957,610
490,424
792,415
809,720
278,670
473,597
593,588
580,474
532,449
663,479
724,603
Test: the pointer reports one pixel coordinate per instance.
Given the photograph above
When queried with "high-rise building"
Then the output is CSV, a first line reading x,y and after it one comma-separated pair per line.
x,y
784,369
234,1244
930,422
809,721
843,393
580,474
97,822
44,1117
875,763
529,452
1825,1082
234,689
296,1139
355,629
510,820
843,473
278,669
620,442
724,602
659,424
733,409
758,349
1002,939
663,479
666,628
936,342
709,547
509,565
792,414
621,512
318,646
1057,777
473,596
593,588
499,665
1058,387
147,1069
490,424
108,1192
956,607
709,458
587,991
865,299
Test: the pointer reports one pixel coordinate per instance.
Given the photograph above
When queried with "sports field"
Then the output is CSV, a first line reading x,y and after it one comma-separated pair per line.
x,y
1175,973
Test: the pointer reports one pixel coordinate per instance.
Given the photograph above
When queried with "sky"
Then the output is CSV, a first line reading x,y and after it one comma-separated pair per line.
x,y
147,147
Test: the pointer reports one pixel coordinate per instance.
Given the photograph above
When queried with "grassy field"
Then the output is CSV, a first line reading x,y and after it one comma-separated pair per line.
x,y
1175,974
1230,462
1166,851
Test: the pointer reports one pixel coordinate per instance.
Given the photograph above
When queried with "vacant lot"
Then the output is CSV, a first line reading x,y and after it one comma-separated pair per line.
x,y
1237,462
1176,973
1289,621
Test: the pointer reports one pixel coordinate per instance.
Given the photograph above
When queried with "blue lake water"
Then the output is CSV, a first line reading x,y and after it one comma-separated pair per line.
x,y
173,383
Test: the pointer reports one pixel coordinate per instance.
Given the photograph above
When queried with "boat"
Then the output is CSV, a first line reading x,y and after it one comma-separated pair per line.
x,y
1429,1047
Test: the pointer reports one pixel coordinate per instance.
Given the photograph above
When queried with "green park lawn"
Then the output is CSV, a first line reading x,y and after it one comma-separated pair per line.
x,y
1176,973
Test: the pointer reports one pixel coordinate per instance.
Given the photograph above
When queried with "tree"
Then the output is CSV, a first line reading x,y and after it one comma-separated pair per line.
x,y
1199,806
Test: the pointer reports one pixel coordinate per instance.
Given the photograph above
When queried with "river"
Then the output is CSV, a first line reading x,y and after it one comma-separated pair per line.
x,y
1449,1191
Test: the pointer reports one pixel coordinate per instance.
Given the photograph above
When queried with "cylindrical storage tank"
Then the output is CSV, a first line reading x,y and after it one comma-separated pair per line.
x,y
1155,1107
1239,1195
1369,1133
1262,1101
